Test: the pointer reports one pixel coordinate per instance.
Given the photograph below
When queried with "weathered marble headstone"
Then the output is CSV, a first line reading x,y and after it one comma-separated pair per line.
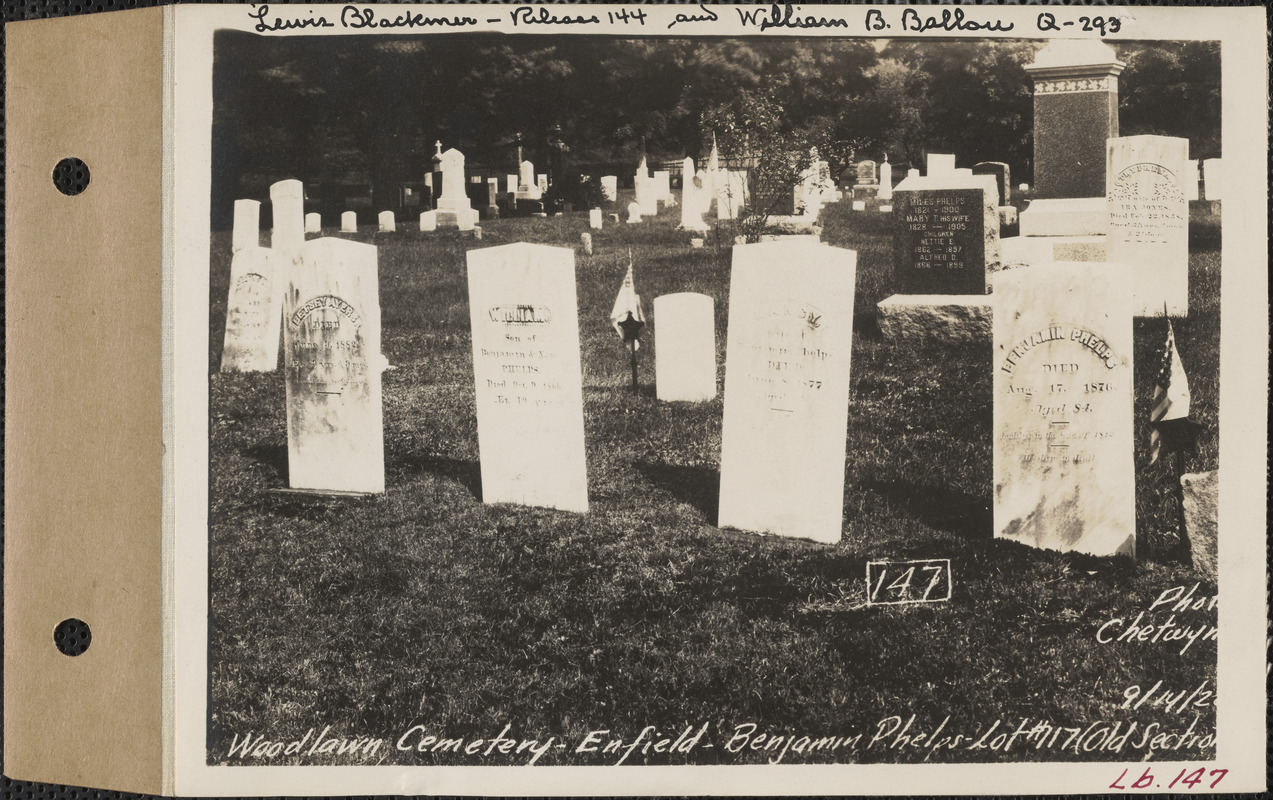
x,y
287,205
526,368
454,200
634,212
253,311
886,181
1200,494
1063,472
429,221
542,182
945,234
1149,220
331,326
585,240
594,219
247,225
512,184
466,219
1002,175
387,222
691,199
610,187
313,223
787,389
1212,179
940,164
349,222
662,184
684,347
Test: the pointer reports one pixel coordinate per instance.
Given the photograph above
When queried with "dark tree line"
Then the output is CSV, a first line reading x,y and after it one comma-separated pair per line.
x,y
367,110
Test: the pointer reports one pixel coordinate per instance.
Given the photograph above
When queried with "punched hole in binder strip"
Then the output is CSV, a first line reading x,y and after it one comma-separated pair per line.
x,y
70,176
72,637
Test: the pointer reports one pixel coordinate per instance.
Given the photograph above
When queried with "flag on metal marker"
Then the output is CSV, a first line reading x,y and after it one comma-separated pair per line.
x,y
1171,401
627,302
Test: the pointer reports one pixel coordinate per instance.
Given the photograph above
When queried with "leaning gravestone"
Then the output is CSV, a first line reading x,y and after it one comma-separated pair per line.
x,y
684,347
313,223
526,368
247,225
945,234
331,326
1063,472
349,222
1148,225
787,389
253,311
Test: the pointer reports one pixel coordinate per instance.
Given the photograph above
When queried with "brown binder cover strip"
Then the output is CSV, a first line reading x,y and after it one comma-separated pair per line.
x,y
83,447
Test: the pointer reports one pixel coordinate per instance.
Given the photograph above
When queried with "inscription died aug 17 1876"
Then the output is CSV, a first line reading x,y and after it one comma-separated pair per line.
x,y
1063,476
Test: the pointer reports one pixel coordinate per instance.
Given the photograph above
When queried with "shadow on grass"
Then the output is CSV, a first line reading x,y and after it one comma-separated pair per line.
x,y
273,457
466,473
940,509
698,487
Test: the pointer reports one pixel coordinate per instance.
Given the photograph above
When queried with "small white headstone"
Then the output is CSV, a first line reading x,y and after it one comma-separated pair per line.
x,y
477,232
526,368
331,327
662,184
585,239
859,205
349,222
634,212
787,389
1148,226
287,204
940,164
1063,472
594,219
610,187
247,225
466,219
429,221
684,347
387,222
313,223
253,311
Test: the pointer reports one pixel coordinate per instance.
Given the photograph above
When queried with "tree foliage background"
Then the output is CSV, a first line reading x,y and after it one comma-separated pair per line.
x,y
366,111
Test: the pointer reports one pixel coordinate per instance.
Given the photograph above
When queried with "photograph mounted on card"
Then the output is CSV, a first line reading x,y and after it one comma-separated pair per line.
x,y
814,396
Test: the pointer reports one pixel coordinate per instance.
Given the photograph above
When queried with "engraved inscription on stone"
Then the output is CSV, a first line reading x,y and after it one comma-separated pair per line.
x,y
939,241
252,312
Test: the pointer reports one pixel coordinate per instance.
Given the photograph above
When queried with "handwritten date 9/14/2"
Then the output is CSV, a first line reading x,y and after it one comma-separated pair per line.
x,y
1191,780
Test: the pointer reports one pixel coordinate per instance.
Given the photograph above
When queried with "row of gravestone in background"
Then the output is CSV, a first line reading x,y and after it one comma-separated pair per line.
x,y
1063,476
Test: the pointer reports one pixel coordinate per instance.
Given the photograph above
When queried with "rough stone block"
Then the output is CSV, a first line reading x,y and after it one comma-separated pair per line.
x,y
950,318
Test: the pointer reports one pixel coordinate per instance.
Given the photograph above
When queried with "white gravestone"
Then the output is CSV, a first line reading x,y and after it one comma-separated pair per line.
x,y
287,204
387,222
454,200
610,187
429,221
594,219
787,389
662,184
541,181
253,311
691,202
466,219
1212,179
527,186
634,212
512,183
646,196
940,164
585,239
1148,214
247,225
526,369
313,223
349,222
1063,472
331,324
886,181
684,347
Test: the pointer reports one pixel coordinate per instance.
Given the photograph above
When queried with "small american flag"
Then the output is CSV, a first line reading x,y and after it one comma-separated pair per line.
x,y
1171,395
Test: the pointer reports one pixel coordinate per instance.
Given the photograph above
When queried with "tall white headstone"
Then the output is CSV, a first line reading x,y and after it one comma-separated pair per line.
x,y
684,347
787,389
1149,219
662,184
886,181
527,185
526,369
512,183
247,225
349,222
1063,472
594,219
253,311
388,223
692,191
454,199
331,327
287,205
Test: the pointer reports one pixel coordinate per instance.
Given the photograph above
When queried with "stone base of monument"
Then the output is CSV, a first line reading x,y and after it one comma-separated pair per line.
x,y
865,192
1074,216
951,318
318,494
1078,248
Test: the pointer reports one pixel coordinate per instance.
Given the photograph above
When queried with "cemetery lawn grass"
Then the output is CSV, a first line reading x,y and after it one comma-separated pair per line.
x,y
422,606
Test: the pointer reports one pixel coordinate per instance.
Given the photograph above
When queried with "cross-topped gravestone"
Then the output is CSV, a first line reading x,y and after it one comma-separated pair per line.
x,y
331,327
526,368
1063,472
787,389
